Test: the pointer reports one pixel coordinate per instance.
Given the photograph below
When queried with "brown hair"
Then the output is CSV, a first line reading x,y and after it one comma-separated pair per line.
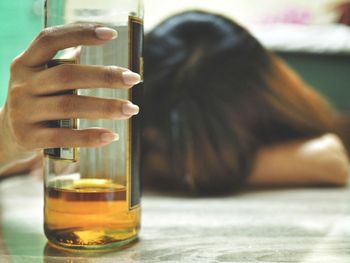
x,y
213,97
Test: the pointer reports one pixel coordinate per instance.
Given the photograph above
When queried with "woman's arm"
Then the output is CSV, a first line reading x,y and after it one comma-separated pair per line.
x,y
320,161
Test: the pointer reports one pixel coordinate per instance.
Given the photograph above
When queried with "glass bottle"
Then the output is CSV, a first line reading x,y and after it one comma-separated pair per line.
x,y
92,195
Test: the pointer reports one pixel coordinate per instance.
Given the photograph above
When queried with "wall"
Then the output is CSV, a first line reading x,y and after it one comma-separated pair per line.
x,y
244,11
19,25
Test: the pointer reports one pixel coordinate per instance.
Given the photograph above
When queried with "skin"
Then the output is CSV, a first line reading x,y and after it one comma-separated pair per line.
x,y
33,100
321,161
33,96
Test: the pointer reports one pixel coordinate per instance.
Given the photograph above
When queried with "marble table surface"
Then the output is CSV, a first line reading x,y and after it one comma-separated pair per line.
x,y
310,225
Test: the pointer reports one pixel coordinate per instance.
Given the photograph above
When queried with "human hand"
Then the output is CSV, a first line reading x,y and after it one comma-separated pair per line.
x,y
35,95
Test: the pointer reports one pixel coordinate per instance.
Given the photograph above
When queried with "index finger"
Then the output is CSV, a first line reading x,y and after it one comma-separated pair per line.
x,y
52,39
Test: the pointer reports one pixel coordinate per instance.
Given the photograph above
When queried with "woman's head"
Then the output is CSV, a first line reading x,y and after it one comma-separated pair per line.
x,y
213,97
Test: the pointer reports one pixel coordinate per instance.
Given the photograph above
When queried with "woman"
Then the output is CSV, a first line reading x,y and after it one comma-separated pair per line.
x,y
219,111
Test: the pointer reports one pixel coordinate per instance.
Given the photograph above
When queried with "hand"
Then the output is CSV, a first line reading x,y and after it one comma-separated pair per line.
x,y
35,95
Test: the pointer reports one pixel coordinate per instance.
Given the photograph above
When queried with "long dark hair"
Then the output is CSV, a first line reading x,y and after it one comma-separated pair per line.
x,y
213,97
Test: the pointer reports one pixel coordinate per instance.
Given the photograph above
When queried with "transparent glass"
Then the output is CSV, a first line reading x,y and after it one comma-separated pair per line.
x,y
92,195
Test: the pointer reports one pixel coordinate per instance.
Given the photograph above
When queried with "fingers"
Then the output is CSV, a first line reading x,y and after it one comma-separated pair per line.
x,y
38,94
82,107
69,76
53,39
62,138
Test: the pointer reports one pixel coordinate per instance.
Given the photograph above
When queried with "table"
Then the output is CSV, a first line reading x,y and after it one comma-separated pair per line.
x,y
256,225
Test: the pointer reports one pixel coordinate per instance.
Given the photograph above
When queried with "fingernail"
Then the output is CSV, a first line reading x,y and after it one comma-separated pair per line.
x,y
106,33
131,78
109,137
130,109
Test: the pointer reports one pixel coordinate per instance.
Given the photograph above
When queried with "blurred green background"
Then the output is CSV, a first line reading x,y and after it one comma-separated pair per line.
x,y
21,21
329,74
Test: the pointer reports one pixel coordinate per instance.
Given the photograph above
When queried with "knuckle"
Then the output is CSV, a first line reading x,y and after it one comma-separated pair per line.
x,y
20,105
19,123
15,96
14,115
15,63
23,139
85,30
16,90
112,109
89,138
45,36
110,76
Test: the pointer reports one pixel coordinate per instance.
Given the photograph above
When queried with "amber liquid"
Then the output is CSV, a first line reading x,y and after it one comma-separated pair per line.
x,y
89,213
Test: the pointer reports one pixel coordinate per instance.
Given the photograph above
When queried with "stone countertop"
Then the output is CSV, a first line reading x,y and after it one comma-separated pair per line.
x,y
261,225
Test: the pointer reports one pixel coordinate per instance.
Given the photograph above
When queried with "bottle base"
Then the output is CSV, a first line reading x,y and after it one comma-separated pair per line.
x,y
91,239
